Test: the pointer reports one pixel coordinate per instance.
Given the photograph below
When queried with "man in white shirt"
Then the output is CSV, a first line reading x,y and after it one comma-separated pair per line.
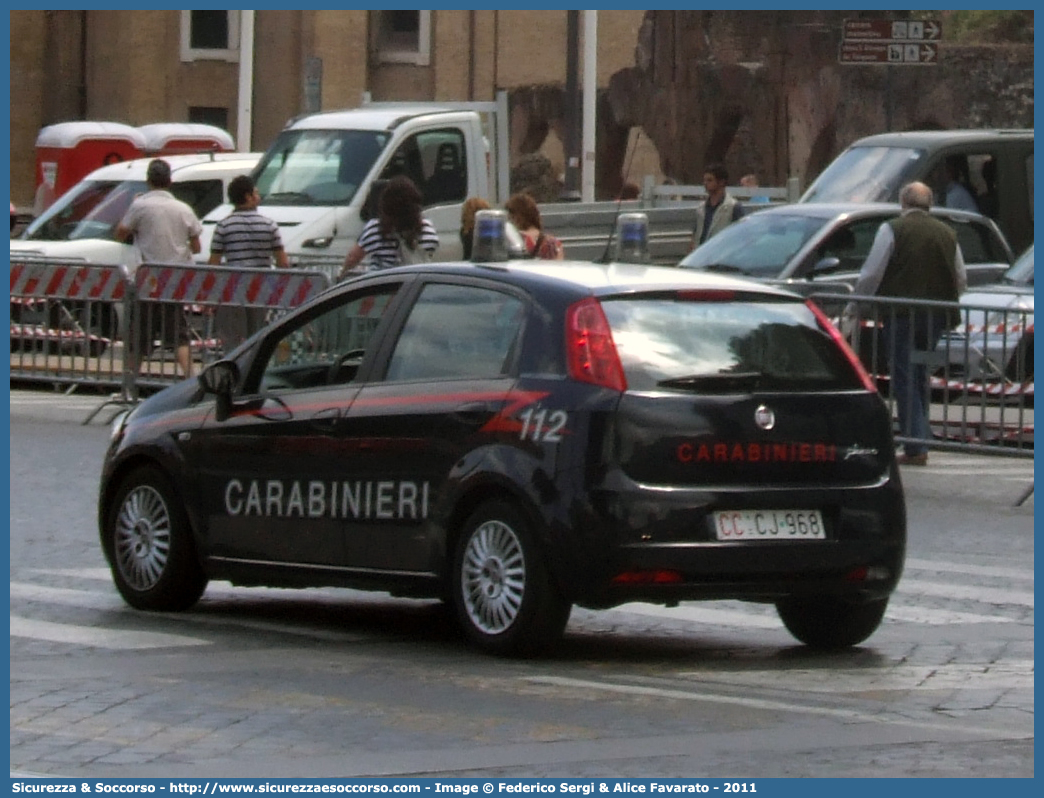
x,y
165,230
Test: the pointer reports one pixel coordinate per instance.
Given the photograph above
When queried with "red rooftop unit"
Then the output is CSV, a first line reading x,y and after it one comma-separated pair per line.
x,y
68,151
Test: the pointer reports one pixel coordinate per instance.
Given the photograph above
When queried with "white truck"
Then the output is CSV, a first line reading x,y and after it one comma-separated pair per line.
x,y
320,179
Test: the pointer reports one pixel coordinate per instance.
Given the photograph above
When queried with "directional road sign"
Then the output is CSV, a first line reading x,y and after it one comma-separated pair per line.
x,y
889,52
899,30
908,42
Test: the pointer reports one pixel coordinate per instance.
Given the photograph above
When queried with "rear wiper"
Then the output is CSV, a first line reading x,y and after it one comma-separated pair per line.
x,y
720,381
724,268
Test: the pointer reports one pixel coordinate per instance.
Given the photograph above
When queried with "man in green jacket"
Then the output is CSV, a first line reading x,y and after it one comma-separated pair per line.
x,y
915,256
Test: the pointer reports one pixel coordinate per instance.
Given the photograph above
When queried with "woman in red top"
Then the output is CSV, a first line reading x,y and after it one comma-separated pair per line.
x,y
524,214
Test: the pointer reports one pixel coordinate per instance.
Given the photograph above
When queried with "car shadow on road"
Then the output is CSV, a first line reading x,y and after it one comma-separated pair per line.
x,y
428,627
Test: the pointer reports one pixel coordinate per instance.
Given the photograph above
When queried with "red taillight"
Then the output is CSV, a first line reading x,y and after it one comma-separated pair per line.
x,y
591,355
839,339
857,574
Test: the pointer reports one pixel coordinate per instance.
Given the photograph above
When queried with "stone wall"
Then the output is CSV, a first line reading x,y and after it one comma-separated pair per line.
x,y
763,92
760,90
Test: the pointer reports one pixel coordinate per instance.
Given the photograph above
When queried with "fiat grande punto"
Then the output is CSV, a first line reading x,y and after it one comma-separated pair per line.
x,y
518,438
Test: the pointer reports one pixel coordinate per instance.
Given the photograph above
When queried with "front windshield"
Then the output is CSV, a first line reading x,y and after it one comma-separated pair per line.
x,y
317,167
865,174
1021,272
759,245
90,209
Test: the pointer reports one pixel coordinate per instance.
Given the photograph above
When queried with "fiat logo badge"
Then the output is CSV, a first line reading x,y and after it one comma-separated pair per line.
x,y
764,417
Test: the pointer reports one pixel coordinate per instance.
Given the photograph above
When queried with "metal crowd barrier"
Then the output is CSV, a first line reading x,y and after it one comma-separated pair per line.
x,y
979,391
75,324
330,265
65,317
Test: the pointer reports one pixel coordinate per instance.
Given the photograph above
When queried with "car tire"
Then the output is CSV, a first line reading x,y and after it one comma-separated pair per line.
x,y
504,597
831,623
149,545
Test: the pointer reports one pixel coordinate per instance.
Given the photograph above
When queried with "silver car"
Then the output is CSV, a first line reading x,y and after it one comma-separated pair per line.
x,y
994,342
820,247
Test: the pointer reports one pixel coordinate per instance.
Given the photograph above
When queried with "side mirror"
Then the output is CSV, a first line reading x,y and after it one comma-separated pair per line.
x,y
824,266
220,379
369,207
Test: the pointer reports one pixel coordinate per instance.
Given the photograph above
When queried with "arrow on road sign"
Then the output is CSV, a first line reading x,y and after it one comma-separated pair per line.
x,y
889,52
931,29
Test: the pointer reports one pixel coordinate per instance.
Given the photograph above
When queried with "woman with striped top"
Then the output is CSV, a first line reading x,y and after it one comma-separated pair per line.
x,y
399,234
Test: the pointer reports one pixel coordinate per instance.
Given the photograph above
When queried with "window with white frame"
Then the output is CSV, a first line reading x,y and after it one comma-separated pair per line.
x,y
402,37
210,35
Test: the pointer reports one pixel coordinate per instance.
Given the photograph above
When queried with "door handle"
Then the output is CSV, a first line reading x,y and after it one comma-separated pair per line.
x,y
326,419
474,413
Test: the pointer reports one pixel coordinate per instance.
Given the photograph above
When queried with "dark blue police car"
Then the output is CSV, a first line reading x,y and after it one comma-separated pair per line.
x,y
516,438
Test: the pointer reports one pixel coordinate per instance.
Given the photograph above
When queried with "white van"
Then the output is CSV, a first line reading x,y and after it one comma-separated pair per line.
x,y
82,222
81,225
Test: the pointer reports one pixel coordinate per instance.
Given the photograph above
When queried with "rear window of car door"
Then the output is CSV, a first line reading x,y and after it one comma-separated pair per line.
x,y
457,332
978,243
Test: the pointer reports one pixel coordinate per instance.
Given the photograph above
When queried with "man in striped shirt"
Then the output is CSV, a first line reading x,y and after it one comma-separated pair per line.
x,y
248,240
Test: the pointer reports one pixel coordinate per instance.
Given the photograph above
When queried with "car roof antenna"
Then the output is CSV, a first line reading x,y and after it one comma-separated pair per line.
x,y
619,199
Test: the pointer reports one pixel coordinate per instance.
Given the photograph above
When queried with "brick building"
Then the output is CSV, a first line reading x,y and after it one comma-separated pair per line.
x,y
761,91
139,67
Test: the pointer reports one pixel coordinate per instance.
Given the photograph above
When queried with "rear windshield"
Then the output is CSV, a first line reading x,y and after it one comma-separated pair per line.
x,y
724,347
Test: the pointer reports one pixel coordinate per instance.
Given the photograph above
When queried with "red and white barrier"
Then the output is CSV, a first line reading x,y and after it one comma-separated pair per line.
x,y
216,285
40,333
975,388
76,281
995,329
46,293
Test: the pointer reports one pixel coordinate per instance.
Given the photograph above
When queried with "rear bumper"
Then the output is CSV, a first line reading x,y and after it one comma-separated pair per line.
x,y
661,547
753,571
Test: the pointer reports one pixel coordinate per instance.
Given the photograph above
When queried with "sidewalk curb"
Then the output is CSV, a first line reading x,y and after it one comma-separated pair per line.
x,y
29,405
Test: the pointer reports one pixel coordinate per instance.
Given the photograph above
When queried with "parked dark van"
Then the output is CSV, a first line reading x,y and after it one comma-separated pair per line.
x,y
996,166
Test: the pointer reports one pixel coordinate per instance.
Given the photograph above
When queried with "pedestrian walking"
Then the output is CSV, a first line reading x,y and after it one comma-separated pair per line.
x,y
524,214
914,256
248,240
165,230
719,210
751,182
399,234
471,206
